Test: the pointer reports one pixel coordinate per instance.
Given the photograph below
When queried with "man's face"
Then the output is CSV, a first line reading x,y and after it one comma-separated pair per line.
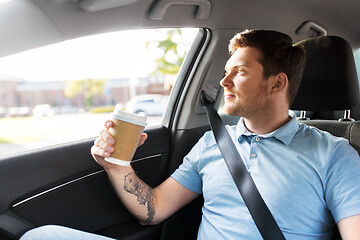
x,y
245,88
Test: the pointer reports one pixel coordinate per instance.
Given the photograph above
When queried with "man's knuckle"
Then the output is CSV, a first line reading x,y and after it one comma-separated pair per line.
x,y
103,133
95,150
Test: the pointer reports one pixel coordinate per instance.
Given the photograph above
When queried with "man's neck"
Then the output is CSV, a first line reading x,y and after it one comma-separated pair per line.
x,y
266,123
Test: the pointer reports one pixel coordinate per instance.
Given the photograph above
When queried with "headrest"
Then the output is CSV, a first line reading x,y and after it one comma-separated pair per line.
x,y
330,79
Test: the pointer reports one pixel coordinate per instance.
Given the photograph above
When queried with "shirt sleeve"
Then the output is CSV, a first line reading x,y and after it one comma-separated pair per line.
x,y
188,172
342,189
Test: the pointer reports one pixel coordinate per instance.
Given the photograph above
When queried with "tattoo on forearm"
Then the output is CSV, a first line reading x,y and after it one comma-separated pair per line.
x,y
144,194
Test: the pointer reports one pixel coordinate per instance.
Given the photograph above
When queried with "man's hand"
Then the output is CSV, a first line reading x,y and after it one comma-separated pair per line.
x,y
104,146
148,205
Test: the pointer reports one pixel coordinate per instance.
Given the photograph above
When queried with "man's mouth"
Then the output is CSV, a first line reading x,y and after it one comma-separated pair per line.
x,y
229,95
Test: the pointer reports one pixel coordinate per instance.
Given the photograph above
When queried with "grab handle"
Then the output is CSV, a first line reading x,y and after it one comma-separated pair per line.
x,y
158,10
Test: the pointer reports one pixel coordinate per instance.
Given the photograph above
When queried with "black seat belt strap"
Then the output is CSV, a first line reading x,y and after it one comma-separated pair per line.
x,y
260,213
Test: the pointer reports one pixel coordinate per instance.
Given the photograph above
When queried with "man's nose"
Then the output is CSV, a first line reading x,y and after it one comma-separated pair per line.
x,y
226,81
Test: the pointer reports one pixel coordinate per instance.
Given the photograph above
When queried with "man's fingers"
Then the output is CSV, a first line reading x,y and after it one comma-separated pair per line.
x,y
101,152
96,151
142,139
106,137
108,124
99,142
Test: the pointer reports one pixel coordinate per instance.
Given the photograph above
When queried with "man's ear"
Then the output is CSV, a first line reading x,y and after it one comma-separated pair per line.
x,y
279,82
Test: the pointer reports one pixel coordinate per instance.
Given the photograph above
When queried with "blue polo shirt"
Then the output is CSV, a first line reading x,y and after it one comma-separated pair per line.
x,y
307,177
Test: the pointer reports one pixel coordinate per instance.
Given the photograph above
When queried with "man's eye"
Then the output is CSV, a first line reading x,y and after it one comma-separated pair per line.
x,y
240,72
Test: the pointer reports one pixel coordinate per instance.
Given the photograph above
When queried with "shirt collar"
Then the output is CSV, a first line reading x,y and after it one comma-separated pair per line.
x,y
285,133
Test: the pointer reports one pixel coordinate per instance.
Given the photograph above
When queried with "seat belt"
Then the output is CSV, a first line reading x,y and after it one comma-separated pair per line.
x,y
260,213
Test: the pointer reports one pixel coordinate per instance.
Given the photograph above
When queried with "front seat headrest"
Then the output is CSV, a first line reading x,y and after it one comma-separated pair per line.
x,y
330,79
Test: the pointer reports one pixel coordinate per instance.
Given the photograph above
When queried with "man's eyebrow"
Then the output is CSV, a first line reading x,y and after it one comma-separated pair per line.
x,y
241,65
236,66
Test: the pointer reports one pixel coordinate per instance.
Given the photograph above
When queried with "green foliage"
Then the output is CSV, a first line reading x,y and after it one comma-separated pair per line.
x,y
4,140
103,109
86,87
169,46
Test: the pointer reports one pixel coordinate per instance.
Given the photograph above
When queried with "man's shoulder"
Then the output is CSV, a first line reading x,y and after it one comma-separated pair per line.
x,y
314,132
315,138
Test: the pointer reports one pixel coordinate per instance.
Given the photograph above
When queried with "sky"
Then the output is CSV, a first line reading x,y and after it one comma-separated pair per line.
x,y
111,55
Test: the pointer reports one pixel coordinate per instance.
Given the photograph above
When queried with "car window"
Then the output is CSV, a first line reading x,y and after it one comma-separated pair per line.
x,y
357,61
66,91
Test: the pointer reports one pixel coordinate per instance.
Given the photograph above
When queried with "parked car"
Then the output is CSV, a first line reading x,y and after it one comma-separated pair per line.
x,y
149,104
63,185
3,112
19,112
67,109
43,110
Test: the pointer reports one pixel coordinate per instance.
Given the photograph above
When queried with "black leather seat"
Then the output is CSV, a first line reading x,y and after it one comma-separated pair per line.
x,y
329,80
330,83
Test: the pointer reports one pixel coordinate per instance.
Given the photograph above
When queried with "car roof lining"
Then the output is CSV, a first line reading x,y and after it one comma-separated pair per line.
x,y
49,21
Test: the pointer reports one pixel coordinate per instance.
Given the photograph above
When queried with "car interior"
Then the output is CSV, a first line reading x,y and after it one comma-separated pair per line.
x,y
63,185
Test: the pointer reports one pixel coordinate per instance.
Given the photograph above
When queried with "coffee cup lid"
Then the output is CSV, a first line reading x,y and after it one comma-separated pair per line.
x,y
129,117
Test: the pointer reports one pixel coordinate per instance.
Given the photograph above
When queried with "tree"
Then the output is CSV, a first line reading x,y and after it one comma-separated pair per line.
x,y
173,48
87,87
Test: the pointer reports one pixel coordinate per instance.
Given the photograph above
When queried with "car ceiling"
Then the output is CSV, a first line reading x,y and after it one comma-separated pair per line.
x,y
25,24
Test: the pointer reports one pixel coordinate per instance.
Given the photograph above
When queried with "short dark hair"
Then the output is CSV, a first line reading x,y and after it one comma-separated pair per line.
x,y
278,54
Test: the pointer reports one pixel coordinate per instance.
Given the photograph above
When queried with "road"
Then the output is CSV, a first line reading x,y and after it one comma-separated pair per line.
x,y
21,134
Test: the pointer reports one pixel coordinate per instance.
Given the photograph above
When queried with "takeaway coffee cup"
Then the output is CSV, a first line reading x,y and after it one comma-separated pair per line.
x,y
126,130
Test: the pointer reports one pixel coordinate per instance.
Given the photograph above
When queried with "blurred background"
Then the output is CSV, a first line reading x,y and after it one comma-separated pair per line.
x,y
66,91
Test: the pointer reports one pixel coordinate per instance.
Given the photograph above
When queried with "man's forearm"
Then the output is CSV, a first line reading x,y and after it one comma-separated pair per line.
x,y
145,195
137,196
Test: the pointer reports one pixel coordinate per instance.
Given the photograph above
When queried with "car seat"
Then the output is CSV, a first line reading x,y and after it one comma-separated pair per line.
x,y
329,83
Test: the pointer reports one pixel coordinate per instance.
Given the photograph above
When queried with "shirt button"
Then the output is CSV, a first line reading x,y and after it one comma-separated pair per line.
x,y
257,139
253,155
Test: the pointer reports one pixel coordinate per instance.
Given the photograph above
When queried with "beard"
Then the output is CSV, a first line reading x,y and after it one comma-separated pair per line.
x,y
246,107
233,109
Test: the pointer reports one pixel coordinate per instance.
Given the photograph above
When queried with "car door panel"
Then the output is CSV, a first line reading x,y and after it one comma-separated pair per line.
x,y
188,217
184,141
64,185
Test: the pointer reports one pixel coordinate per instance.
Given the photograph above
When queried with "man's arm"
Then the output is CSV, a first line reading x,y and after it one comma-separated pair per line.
x,y
349,228
148,205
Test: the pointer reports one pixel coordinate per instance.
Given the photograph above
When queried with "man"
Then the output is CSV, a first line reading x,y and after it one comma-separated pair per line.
x,y
306,177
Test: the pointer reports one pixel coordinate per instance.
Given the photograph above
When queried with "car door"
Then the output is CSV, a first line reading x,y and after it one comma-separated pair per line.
x,y
63,185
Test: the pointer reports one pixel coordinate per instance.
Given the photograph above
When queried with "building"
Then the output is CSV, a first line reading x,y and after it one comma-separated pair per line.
x,y
8,94
16,92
